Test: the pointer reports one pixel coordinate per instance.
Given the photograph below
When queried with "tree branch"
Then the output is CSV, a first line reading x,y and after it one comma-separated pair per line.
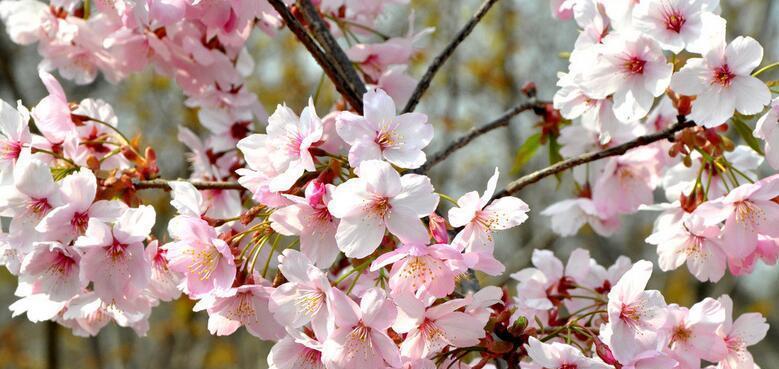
x,y
164,184
326,40
341,82
475,132
439,60
534,177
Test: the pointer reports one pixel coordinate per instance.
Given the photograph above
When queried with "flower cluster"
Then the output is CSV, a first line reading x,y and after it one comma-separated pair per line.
x,y
588,316
325,236
718,215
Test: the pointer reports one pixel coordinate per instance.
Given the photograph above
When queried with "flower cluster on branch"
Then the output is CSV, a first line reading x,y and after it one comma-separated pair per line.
x,y
324,235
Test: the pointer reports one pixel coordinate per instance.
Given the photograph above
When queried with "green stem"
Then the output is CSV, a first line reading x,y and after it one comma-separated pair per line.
x,y
447,198
765,69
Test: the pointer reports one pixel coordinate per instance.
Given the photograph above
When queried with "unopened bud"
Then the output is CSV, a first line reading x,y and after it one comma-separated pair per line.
x,y
437,227
519,326
604,353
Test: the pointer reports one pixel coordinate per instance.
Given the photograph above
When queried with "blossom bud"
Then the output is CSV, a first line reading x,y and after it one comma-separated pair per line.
x,y
604,353
437,227
519,326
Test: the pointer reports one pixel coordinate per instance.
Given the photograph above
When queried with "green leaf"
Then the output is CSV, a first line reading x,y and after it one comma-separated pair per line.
x,y
61,172
746,133
526,152
554,155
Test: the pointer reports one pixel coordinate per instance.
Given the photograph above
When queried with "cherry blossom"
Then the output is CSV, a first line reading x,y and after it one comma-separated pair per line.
x,y
426,270
381,134
360,339
631,68
721,81
380,199
556,355
693,332
765,129
205,260
745,331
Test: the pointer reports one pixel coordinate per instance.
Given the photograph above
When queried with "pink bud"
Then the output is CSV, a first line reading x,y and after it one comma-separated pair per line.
x,y
604,352
437,226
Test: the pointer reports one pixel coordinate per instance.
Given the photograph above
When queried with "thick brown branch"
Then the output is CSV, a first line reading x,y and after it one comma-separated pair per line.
x,y
475,132
164,184
342,84
326,40
439,60
534,177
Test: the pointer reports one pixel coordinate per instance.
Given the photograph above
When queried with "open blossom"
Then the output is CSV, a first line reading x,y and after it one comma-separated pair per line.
x,y
557,355
297,350
33,193
114,258
480,219
431,328
627,182
360,339
305,297
635,315
381,134
692,333
287,141
163,282
247,306
568,216
421,269
309,219
52,269
14,135
205,260
675,24
380,199
747,330
70,219
766,129
52,114
748,211
691,241
633,69
722,81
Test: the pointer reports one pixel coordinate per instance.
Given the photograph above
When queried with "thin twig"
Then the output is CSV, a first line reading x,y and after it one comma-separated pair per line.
x,y
475,132
536,176
439,60
340,81
164,184
326,40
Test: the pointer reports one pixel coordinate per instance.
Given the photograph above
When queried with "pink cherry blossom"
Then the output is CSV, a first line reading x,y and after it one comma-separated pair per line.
x,y
289,138
627,182
693,333
675,24
360,339
69,220
381,134
14,135
297,350
480,219
722,83
247,306
431,328
748,210
114,258
52,269
747,330
206,261
425,270
377,200
568,216
766,129
305,297
635,315
556,355
309,219
52,114
692,241
633,69
33,193
163,282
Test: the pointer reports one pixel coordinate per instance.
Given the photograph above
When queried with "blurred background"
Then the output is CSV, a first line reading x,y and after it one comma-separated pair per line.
x,y
517,42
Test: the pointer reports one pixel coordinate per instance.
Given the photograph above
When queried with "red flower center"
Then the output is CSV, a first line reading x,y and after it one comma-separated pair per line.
x,y
723,76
